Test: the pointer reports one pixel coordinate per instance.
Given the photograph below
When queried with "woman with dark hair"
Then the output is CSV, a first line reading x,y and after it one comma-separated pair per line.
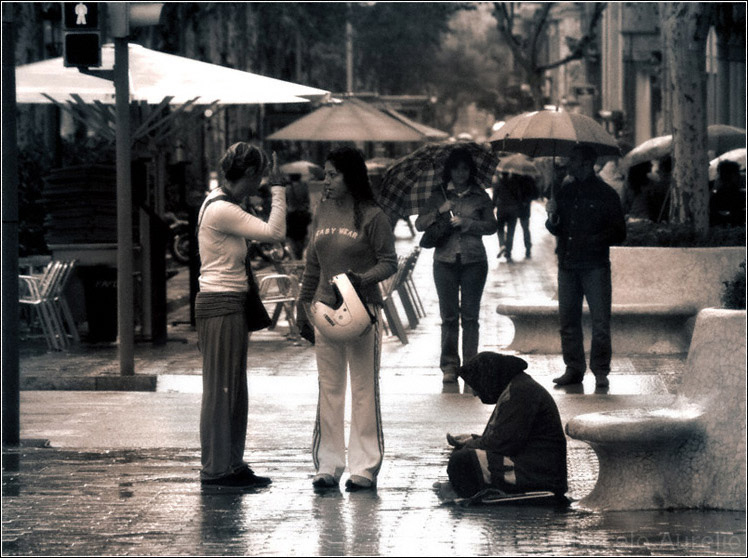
x,y
223,230
351,235
460,264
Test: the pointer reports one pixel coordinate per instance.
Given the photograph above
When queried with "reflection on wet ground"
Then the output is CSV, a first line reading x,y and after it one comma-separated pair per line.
x,y
148,502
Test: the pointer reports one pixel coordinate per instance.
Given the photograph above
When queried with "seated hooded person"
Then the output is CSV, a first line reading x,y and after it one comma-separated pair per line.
x,y
523,447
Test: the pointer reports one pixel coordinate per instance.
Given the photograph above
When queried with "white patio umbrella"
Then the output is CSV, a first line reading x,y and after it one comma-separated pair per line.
x,y
155,75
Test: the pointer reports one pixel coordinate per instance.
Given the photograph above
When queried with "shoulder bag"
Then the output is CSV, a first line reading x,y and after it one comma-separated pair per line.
x,y
438,232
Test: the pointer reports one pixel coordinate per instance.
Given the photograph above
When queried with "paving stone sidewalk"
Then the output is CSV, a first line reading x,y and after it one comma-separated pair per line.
x,y
105,472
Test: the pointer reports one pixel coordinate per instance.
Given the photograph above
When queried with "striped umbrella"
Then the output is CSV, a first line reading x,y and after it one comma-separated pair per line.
x,y
409,182
549,133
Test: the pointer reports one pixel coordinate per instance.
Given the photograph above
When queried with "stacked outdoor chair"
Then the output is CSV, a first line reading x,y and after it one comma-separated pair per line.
x,y
45,294
402,284
407,291
281,290
387,288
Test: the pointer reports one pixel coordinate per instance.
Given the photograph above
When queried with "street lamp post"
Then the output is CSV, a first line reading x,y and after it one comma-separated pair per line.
x,y
125,297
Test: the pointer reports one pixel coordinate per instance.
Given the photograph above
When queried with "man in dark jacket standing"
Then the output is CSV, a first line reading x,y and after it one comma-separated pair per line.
x,y
587,218
523,447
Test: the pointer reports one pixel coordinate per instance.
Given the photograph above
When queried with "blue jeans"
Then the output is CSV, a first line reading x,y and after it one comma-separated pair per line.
x,y
460,288
573,286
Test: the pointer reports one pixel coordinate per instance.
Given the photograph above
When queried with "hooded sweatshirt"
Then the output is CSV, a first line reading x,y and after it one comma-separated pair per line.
x,y
525,426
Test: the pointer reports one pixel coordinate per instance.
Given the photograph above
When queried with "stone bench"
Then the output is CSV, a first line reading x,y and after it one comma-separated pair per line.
x,y
634,328
656,295
691,454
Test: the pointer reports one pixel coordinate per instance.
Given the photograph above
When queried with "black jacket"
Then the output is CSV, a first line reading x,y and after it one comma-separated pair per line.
x,y
590,220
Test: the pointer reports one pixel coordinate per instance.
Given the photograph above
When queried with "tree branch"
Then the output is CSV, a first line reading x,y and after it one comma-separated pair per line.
x,y
581,46
505,24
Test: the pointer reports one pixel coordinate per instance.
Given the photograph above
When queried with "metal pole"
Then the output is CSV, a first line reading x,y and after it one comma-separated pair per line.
x,y
10,359
125,289
349,51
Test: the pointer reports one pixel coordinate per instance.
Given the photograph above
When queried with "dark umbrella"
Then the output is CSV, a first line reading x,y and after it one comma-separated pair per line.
x,y
409,182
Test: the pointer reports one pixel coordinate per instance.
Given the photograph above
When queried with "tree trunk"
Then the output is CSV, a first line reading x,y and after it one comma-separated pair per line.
x,y
685,26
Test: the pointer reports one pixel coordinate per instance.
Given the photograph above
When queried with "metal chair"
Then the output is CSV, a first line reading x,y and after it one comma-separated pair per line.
x,y
65,316
283,291
38,292
392,320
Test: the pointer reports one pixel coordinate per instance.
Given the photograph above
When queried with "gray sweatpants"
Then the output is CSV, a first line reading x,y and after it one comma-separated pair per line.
x,y
223,341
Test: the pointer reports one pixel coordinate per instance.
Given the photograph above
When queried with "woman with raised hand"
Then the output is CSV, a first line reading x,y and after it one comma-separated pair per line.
x,y
226,285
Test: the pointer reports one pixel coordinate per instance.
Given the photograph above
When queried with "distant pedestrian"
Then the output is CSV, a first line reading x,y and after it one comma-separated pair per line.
x,y
223,231
513,195
586,218
298,214
637,191
523,446
350,235
727,202
460,264
659,194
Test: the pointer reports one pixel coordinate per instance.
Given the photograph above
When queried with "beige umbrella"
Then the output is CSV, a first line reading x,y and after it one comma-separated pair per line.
x,y
549,133
154,76
352,120
721,138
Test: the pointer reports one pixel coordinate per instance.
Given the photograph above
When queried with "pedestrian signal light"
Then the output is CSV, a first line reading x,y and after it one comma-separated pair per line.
x,y
82,29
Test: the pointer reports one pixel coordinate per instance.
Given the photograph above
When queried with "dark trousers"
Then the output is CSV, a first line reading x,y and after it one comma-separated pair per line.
x,y
460,288
573,287
223,342
507,226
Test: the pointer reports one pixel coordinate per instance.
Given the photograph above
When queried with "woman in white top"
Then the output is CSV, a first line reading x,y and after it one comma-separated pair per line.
x,y
223,230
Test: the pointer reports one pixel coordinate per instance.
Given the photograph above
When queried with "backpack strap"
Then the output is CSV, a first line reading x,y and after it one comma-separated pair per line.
x,y
247,262
222,197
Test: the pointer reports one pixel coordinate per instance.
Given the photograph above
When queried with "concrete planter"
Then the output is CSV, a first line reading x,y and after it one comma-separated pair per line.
x,y
657,293
673,276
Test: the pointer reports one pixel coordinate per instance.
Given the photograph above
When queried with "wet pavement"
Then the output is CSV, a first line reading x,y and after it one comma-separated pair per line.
x,y
108,467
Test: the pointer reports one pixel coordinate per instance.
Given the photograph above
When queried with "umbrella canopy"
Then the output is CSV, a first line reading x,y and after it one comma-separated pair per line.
x,y
721,138
409,182
650,150
153,76
307,170
350,120
379,164
553,134
737,155
518,163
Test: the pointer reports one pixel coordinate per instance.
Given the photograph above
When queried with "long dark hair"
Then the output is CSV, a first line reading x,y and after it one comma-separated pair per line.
x,y
459,155
349,161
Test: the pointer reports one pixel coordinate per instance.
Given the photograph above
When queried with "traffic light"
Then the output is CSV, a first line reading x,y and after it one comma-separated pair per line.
x,y
82,24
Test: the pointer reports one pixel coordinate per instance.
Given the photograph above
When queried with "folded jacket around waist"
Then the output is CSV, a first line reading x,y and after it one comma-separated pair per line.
x,y
211,305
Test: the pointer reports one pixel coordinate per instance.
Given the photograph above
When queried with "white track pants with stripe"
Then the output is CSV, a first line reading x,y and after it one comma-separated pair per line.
x,y
366,442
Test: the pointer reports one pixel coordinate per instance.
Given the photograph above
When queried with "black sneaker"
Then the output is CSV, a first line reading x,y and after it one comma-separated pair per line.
x,y
245,478
248,475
